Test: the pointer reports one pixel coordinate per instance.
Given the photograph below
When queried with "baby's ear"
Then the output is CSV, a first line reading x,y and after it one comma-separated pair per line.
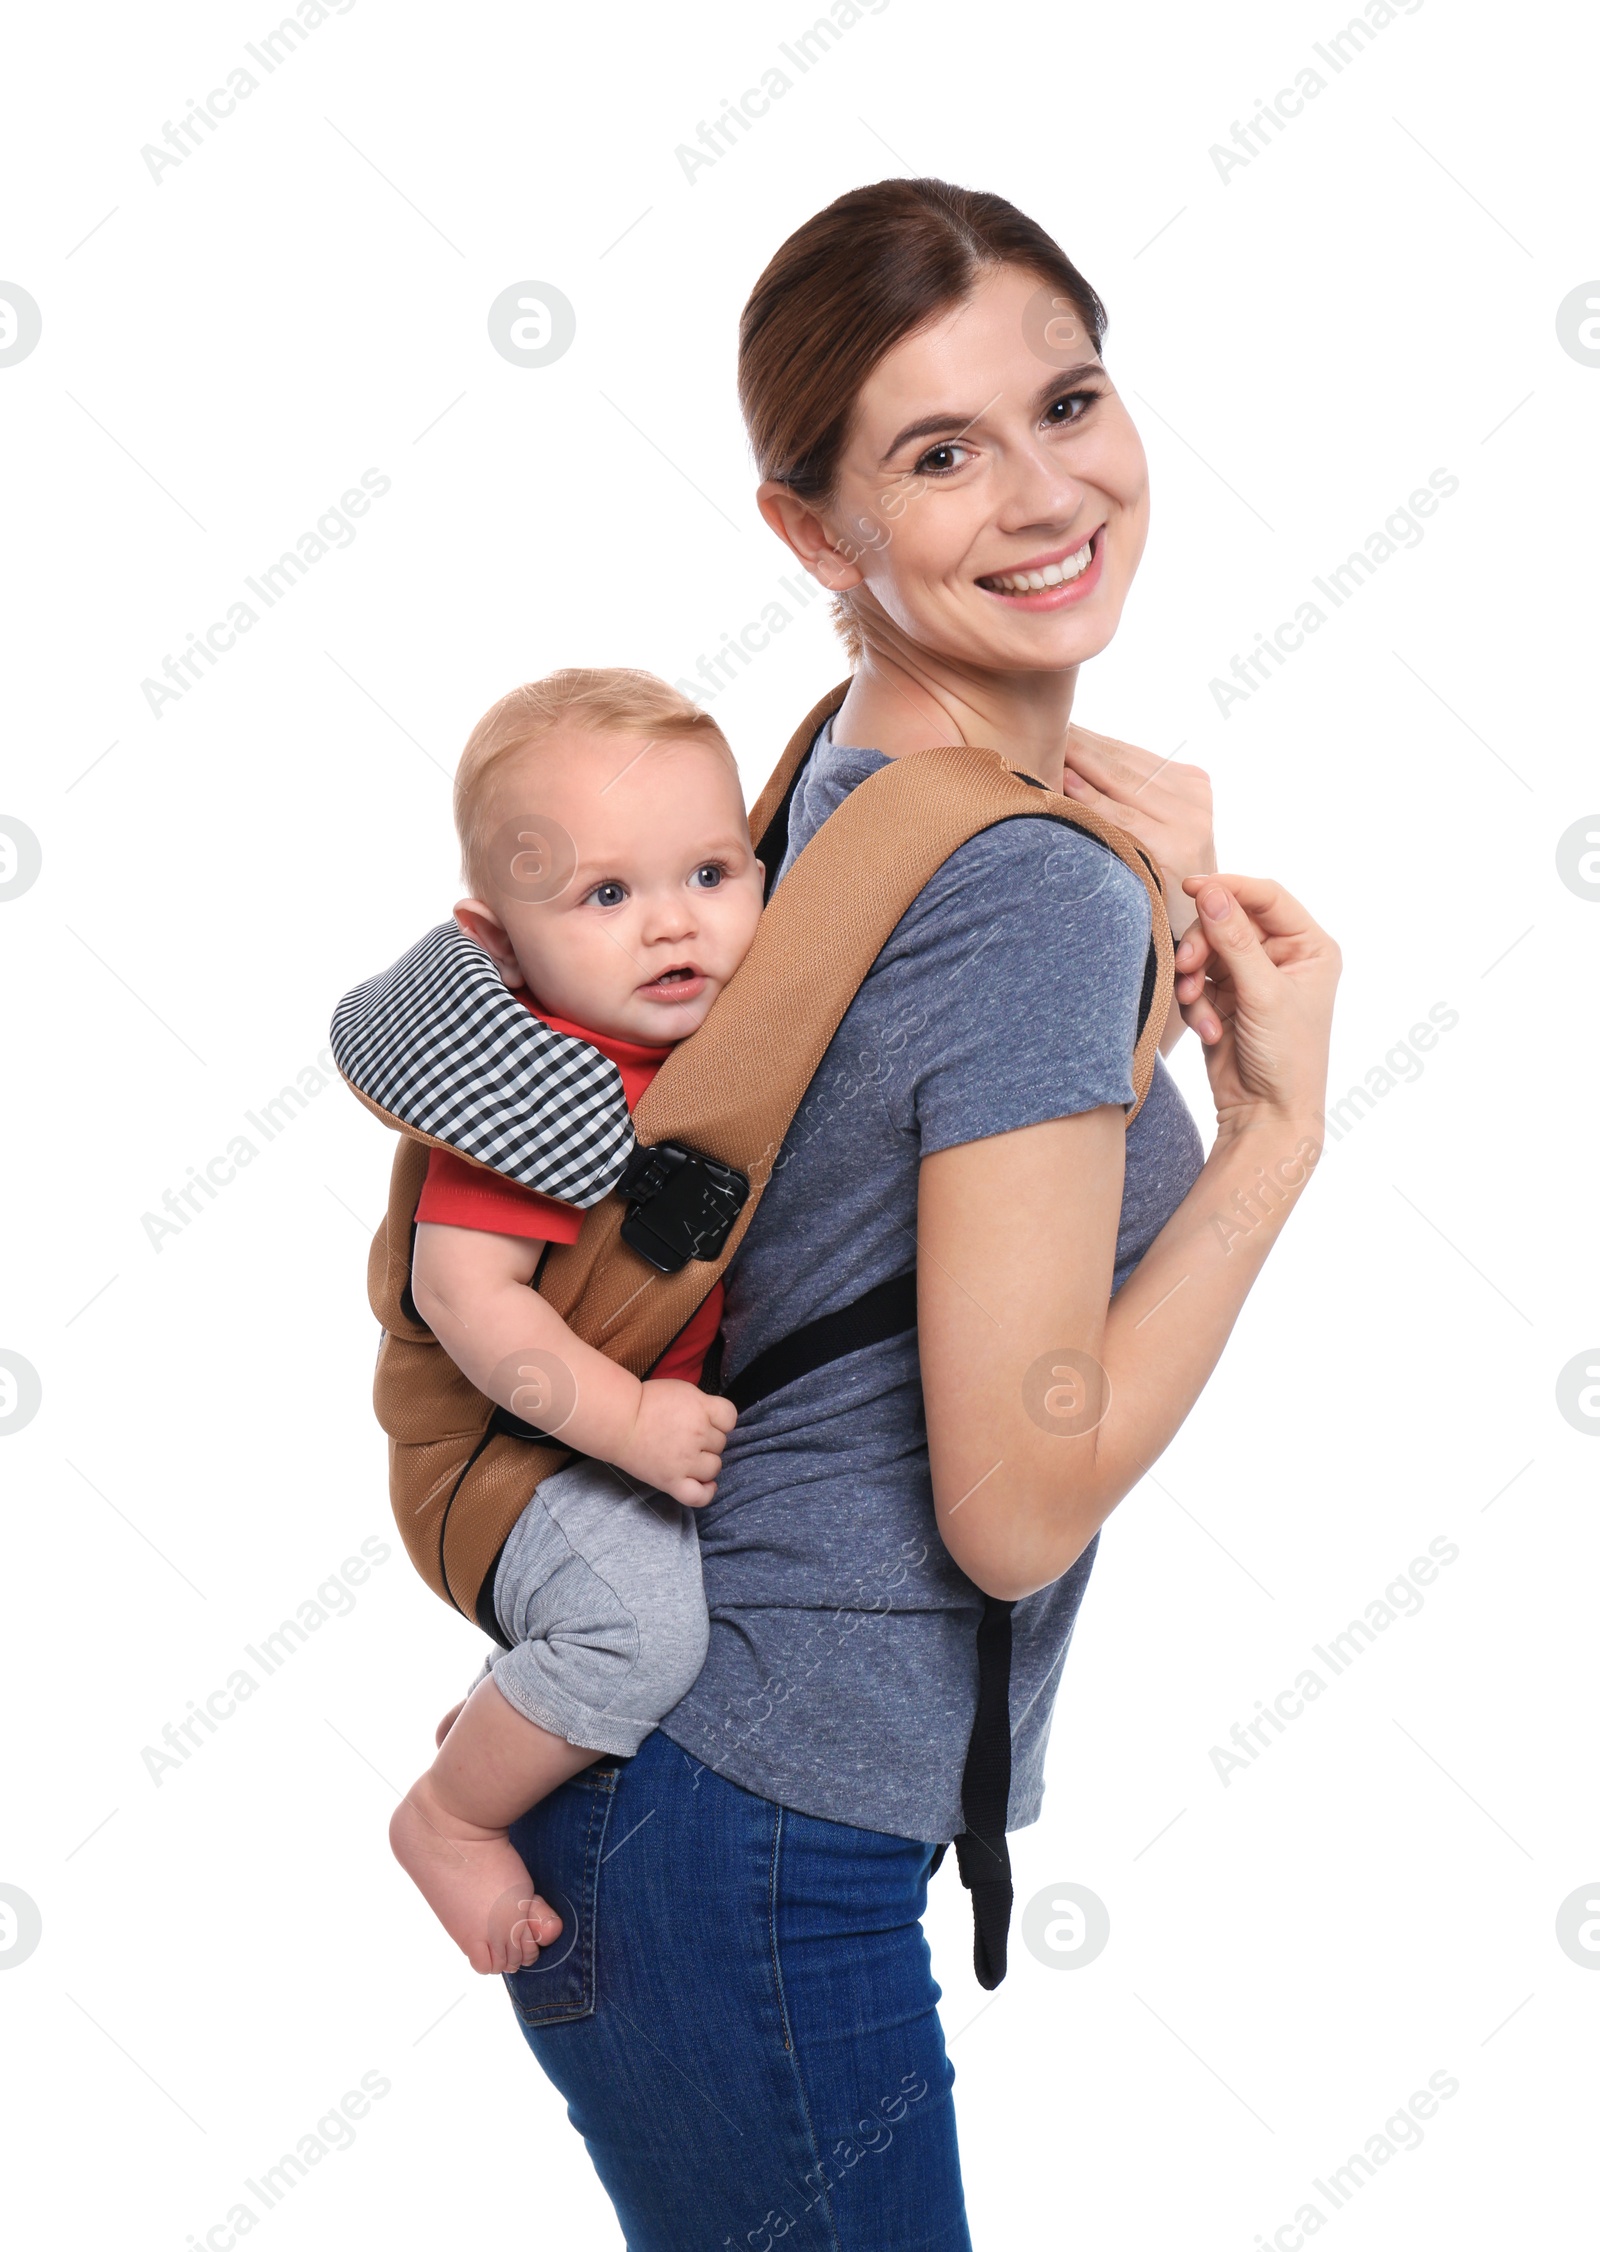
x,y
482,924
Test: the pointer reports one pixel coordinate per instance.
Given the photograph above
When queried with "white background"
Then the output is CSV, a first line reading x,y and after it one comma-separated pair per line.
x,y
1374,1899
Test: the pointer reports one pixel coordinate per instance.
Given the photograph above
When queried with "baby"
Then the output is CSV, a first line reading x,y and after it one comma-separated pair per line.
x,y
605,844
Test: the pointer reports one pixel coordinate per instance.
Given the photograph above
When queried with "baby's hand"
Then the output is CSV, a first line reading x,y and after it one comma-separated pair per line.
x,y
677,1439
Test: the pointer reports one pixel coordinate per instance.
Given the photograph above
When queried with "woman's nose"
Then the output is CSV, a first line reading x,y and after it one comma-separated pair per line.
x,y
1039,490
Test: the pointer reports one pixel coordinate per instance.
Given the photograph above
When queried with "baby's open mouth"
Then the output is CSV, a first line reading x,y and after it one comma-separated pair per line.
x,y
679,983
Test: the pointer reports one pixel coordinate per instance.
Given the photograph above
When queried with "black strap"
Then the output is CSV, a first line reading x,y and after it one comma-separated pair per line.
x,y
888,1310
773,841
982,1856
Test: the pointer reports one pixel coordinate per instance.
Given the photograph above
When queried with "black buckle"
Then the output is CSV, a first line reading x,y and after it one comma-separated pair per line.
x,y
680,1205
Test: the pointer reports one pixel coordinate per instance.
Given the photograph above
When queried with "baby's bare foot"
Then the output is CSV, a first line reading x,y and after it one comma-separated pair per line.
x,y
474,1881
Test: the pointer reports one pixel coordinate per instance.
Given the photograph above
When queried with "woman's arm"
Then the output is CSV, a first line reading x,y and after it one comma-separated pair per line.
x,y
1044,1406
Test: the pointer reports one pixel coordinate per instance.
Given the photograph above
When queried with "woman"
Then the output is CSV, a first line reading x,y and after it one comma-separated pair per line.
x,y
740,2010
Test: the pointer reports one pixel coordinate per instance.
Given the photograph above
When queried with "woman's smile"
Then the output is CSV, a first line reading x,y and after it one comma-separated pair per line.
x,y
1050,582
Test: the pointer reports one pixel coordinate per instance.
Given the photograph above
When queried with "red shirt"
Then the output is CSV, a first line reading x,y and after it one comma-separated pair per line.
x,y
457,1194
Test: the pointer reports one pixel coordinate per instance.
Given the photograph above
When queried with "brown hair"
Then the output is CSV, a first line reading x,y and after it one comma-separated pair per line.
x,y
847,287
603,700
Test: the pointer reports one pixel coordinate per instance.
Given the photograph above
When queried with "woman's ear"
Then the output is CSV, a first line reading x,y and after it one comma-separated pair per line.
x,y
802,530
482,924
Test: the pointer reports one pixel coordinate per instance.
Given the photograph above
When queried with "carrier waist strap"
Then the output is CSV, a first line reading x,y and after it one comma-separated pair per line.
x,y
888,1310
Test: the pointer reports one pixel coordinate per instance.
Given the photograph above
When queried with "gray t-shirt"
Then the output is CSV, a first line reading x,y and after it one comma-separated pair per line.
x,y
842,1673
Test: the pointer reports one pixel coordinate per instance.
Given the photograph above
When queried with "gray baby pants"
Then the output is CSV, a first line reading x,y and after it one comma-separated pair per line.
x,y
598,1590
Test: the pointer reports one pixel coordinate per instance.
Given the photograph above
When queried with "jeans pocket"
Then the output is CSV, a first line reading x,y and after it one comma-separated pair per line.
x,y
562,1842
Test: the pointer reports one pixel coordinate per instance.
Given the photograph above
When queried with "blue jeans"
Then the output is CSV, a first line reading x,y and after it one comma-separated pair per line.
x,y
741,2014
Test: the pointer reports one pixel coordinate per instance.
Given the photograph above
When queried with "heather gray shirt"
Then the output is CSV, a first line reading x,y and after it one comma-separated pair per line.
x,y
842,1673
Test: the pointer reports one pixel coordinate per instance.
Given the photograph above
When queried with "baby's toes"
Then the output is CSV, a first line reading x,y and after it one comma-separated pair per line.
x,y
515,1931
521,1941
544,1920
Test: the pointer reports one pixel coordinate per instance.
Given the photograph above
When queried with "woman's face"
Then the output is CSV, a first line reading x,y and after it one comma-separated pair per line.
x,y
993,497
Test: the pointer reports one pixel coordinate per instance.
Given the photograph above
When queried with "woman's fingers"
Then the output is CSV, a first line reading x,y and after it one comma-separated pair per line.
x,y
1209,1012
1126,772
1276,912
1191,960
1232,937
1270,978
1160,798
1191,952
1237,970
1075,785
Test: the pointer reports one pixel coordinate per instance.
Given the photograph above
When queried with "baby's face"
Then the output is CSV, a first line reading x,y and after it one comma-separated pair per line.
x,y
662,903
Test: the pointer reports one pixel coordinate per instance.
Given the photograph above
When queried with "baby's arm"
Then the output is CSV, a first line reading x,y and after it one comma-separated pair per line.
x,y
471,1288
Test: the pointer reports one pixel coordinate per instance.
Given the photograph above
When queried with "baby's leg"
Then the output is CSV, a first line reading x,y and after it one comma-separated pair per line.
x,y
449,1831
608,1640
598,1589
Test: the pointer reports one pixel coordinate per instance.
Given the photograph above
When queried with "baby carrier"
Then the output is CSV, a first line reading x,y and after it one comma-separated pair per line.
x,y
442,1051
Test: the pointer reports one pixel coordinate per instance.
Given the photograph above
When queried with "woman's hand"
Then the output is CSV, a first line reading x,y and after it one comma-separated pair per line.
x,y
1165,805
1256,978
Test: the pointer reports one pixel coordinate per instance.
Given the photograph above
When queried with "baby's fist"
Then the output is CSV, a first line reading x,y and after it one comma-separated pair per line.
x,y
678,1438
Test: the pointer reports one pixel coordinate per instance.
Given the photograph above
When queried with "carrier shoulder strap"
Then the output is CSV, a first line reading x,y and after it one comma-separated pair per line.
x,y
730,1094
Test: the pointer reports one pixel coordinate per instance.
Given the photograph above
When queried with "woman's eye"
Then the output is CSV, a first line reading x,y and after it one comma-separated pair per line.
x,y
708,875
1058,414
608,895
941,459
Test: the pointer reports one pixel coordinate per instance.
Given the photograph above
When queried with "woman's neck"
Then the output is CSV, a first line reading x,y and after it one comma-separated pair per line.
x,y
908,699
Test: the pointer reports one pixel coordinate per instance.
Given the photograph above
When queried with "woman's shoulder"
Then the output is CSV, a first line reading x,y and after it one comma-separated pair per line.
x,y
1015,980
1033,881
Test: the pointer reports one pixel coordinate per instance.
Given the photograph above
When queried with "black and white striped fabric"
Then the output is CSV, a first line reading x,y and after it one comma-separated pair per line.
x,y
439,1042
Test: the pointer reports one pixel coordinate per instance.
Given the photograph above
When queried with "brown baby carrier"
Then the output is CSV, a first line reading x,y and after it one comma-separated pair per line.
x,y
441,1050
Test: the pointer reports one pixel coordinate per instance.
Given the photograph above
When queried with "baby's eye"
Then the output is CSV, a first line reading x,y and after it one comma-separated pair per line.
x,y
608,894
708,875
